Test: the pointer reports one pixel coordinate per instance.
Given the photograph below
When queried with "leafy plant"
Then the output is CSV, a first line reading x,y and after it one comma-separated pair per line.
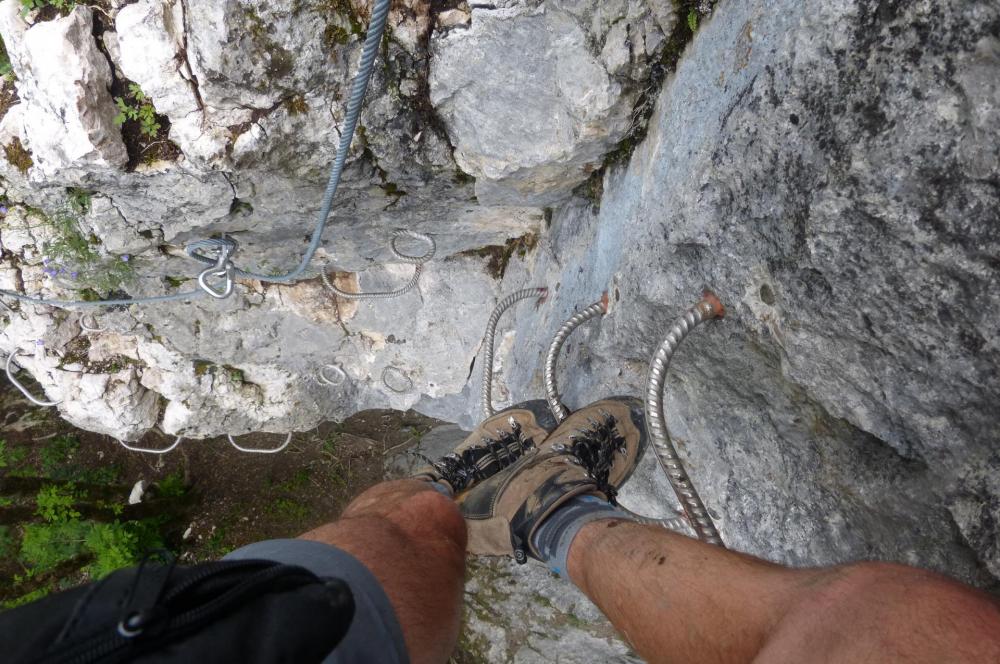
x,y
172,486
72,256
6,70
26,598
692,20
44,546
114,546
54,455
61,5
138,108
55,504
79,200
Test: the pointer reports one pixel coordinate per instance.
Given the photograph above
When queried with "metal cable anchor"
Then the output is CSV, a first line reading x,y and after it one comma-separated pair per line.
x,y
251,450
147,450
10,376
600,308
489,339
223,267
416,261
694,509
324,379
92,325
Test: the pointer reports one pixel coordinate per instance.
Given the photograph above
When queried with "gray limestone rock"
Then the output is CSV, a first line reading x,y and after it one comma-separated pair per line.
x,y
63,83
830,170
530,107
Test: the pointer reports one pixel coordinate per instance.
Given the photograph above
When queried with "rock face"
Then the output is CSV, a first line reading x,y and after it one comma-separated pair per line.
x,y
64,81
829,168
836,185
531,105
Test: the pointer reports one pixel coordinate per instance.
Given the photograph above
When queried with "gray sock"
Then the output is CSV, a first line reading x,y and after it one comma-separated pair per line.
x,y
555,534
442,488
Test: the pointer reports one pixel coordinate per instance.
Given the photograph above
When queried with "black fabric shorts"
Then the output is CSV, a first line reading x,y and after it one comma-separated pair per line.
x,y
375,635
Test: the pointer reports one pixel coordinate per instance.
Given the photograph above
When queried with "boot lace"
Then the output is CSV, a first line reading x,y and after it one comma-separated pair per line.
x,y
475,463
595,448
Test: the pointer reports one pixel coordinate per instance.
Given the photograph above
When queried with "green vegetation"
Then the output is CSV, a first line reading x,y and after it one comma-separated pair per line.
x,y
172,486
6,71
692,20
79,200
75,531
74,258
63,536
138,108
62,5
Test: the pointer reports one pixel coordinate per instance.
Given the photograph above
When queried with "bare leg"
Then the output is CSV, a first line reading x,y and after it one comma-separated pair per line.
x,y
412,539
679,600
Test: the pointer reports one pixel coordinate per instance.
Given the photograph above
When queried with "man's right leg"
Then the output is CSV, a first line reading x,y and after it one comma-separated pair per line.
x,y
679,600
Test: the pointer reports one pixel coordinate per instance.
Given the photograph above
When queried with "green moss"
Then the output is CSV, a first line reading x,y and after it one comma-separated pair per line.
x,y
280,60
174,282
202,367
235,375
17,155
498,256
334,35
296,105
392,189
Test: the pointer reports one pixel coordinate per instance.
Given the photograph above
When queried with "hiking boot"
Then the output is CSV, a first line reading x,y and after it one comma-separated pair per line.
x,y
495,444
594,451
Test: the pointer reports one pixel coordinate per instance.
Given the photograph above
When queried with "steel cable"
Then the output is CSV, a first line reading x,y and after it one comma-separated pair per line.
x,y
489,339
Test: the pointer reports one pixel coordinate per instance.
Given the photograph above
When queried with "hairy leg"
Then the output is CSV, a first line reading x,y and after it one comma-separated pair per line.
x,y
412,539
679,600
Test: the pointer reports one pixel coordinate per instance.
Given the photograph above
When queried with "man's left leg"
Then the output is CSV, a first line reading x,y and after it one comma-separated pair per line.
x,y
412,538
400,546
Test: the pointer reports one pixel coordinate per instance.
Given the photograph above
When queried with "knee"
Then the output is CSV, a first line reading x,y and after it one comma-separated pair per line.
x,y
416,509
898,595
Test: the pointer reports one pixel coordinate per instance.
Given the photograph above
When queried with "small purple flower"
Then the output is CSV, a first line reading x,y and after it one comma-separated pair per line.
x,y
3,209
45,260
50,271
74,275
39,342
125,258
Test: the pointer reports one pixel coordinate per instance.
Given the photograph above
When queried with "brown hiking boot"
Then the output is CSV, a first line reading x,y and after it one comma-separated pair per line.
x,y
593,451
495,444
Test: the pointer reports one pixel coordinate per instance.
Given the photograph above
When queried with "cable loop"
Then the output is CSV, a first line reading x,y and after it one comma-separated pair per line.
x,y
398,372
22,388
326,380
406,258
416,261
89,327
146,450
250,450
